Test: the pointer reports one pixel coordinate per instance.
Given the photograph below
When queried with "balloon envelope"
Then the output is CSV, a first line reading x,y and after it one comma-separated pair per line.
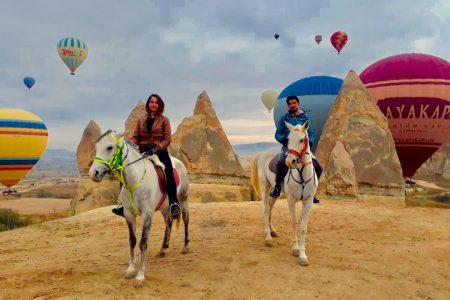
x,y
73,52
276,36
23,137
268,98
338,40
413,92
29,82
318,39
317,94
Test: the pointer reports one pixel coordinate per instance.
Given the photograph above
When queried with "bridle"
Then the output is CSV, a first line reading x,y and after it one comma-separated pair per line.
x,y
299,160
302,152
116,167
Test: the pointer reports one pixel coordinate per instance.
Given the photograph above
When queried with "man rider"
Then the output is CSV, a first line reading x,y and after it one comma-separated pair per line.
x,y
294,116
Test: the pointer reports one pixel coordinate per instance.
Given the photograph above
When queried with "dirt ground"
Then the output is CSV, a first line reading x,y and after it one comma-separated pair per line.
x,y
36,206
356,251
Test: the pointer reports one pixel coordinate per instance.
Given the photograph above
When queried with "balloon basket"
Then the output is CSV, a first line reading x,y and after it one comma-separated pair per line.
x,y
72,73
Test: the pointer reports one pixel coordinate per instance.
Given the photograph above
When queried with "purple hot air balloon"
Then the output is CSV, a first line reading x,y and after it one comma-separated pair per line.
x,y
318,39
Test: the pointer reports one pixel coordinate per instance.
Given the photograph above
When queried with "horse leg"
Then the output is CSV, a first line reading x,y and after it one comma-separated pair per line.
x,y
185,211
303,259
147,222
131,222
291,204
168,220
273,231
266,199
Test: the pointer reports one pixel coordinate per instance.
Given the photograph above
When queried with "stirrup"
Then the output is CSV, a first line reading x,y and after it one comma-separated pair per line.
x,y
275,193
175,209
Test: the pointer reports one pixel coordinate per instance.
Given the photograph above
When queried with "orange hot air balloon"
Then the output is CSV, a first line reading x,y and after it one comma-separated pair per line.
x,y
338,40
413,92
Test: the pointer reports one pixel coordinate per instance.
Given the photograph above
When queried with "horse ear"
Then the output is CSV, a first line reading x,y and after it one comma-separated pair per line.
x,y
119,135
306,125
289,126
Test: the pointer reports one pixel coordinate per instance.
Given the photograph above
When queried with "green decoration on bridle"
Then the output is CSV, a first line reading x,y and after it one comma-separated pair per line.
x,y
115,165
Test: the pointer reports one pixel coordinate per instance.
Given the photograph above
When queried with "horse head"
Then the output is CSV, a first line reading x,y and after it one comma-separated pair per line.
x,y
298,144
108,155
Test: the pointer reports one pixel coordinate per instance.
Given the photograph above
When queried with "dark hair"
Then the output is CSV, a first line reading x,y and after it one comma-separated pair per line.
x,y
160,104
292,98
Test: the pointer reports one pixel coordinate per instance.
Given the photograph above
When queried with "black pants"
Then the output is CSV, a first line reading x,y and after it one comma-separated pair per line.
x,y
171,185
282,169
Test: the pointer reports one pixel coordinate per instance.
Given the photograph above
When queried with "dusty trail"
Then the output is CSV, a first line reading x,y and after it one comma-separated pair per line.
x,y
356,250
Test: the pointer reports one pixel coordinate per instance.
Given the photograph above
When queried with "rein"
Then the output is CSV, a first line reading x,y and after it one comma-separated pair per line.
x,y
116,167
300,160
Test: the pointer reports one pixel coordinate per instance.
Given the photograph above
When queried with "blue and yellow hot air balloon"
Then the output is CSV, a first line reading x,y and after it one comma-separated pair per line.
x,y
73,52
23,137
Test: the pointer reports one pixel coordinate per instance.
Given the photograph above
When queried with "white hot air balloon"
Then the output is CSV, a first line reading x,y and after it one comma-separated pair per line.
x,y
269,98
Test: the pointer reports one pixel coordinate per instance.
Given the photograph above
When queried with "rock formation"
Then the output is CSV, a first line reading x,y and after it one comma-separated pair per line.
x,y
201,144
135,115
86,148
92,195
438,164
340,179
366,138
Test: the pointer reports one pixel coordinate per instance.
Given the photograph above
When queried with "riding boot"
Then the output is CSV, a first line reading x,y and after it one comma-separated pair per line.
x,y
171,186
279,177
119,209
319,169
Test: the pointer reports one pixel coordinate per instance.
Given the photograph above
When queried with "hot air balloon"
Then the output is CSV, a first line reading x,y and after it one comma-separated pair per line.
x,y
338,40
317,94
268,98
318,39
73,52
29,82
413,92
276,36
23,137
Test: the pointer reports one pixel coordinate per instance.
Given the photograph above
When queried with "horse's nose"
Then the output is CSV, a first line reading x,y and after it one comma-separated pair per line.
x,y
96,173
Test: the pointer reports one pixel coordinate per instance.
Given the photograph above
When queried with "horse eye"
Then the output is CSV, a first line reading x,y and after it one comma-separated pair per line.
x,y
109,148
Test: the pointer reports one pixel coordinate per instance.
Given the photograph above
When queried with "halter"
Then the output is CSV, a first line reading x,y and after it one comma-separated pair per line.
x,y
300,156
115,165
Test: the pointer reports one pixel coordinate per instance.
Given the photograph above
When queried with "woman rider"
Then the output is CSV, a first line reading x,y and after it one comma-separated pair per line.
x,y
153,135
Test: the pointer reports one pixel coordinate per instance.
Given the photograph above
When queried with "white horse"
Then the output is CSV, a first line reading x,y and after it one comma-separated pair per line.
x,y
140,193
300,184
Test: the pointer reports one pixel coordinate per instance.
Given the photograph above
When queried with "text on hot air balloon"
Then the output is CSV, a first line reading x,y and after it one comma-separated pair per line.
x,y
415,108
70,52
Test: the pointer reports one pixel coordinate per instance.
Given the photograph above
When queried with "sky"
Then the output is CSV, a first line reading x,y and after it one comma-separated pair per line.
x,y
179,49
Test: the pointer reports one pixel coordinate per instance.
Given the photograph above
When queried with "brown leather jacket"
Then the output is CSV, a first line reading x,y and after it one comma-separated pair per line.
x,y
159,135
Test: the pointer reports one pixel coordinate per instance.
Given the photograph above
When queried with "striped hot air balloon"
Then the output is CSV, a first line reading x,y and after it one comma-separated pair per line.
x,y
23,137
413,92
73,52
338,40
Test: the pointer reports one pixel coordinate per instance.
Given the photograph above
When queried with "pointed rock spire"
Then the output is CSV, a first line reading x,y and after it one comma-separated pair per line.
x,y
86,147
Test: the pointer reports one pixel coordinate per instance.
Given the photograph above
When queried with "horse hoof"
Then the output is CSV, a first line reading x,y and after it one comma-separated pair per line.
x,y
185,250
161,254
139,283
296,252
274,234
303,262
129,275
269,243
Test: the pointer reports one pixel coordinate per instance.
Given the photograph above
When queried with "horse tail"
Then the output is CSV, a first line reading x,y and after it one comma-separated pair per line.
x,y
254,178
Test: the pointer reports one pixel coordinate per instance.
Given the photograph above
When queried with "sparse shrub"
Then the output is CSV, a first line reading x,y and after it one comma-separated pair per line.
x,y
10,220
44,194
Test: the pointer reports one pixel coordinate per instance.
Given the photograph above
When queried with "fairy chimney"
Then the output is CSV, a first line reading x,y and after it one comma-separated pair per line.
x,y
86,148
366,138
438,164
201,144
130,124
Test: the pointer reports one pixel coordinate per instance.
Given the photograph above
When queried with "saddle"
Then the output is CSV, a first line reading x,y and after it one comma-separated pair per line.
x,y
159,167
273,164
